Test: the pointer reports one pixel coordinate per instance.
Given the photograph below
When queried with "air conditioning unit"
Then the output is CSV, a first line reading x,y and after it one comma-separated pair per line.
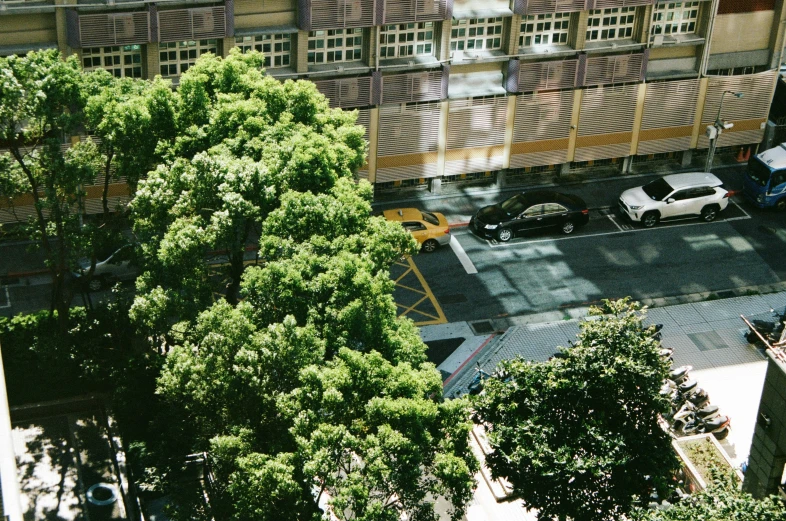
x,y
657,39
348,90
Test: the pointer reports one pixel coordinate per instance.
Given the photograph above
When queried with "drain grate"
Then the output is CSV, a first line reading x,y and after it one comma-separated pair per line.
x,y
482,327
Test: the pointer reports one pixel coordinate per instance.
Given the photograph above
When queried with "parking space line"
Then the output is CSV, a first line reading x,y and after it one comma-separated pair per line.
x,y
632,230
612,219
463,258
741,209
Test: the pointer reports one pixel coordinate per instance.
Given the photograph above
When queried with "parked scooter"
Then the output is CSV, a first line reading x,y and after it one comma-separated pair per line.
x,y
679,375
689,411
718,426
771,330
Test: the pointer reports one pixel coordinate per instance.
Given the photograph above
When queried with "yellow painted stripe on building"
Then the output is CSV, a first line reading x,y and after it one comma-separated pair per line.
x,y
476,152
604,139
545,145
423,158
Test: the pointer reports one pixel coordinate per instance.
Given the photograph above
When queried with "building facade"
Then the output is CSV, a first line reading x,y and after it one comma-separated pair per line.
x,y
454,90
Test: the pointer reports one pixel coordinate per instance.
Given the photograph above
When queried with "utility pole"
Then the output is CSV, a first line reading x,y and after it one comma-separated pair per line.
x,y
716,129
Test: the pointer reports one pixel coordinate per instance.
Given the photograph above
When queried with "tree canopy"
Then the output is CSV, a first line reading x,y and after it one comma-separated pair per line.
x,y
244,140
578,437
719,502
301,382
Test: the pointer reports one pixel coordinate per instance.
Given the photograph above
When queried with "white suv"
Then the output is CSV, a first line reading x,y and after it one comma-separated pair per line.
x,y
675,196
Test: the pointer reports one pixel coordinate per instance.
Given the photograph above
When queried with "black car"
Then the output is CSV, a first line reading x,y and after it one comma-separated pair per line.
x,y
530,211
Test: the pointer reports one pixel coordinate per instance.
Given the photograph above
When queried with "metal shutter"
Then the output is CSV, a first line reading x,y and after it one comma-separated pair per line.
x,y
98,30
526,7
408,141
667,120
405,11
364,120
535,76
179,25
606,70
408,129
606,122
748,113
541,129
335,14
420,86
347,92
476,122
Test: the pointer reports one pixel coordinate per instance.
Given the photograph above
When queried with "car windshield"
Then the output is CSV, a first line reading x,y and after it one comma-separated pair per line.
x,y
758,171
513,206
658,189
430,218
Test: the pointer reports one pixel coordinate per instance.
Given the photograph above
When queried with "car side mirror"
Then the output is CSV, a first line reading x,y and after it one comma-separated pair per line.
x,y
670,200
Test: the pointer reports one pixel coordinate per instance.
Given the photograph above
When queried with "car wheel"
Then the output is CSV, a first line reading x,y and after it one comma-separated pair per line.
x,y
709,213
504,235
781,204
430,246
650,219
95,284
568,227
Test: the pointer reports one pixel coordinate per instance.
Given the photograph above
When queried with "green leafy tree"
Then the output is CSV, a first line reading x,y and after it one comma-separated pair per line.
x,y
129,117
578,437
42,98
243,141
719,502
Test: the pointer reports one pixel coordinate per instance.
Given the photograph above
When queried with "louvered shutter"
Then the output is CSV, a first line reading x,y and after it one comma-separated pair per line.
x,y
108,29
608,70
407,11
539,76
607,4
407,141
667,120
364,120
541,129
748,113
606,122
529,7
476,135
335,14
347,92
177,25
419,86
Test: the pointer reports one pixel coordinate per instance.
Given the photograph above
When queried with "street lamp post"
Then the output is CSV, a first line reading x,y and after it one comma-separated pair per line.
x,y
716,129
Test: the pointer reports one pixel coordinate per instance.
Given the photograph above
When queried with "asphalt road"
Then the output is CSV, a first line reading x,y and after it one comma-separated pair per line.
x,y
606,259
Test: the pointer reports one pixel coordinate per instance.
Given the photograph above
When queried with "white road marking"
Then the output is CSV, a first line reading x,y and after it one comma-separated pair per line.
x,y
612,219
632,230
740,207
462,256
7,298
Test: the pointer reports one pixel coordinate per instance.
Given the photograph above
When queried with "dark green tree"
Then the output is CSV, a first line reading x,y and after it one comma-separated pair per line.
x,y
42,98
719,502
578,437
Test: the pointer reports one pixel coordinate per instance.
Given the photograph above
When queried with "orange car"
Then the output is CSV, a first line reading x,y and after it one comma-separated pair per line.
x,y
430,229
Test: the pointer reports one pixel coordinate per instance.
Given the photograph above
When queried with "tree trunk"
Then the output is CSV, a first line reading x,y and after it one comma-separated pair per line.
x,y
105,196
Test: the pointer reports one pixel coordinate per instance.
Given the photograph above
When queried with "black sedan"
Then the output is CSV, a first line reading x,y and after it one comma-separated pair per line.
x,y
530,211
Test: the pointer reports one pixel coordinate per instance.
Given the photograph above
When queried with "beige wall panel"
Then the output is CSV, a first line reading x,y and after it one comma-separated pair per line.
x,y
252,21
27,29
406,160
264,6
741,32
666,52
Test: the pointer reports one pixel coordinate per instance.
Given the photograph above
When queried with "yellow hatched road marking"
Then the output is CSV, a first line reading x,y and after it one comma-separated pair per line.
x,y
439,318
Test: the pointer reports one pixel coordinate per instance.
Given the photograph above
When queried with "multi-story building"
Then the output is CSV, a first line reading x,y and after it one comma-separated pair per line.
x,y
461,89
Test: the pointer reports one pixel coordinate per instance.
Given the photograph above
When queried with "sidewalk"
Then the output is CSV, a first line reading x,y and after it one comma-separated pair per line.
x,y
707,335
